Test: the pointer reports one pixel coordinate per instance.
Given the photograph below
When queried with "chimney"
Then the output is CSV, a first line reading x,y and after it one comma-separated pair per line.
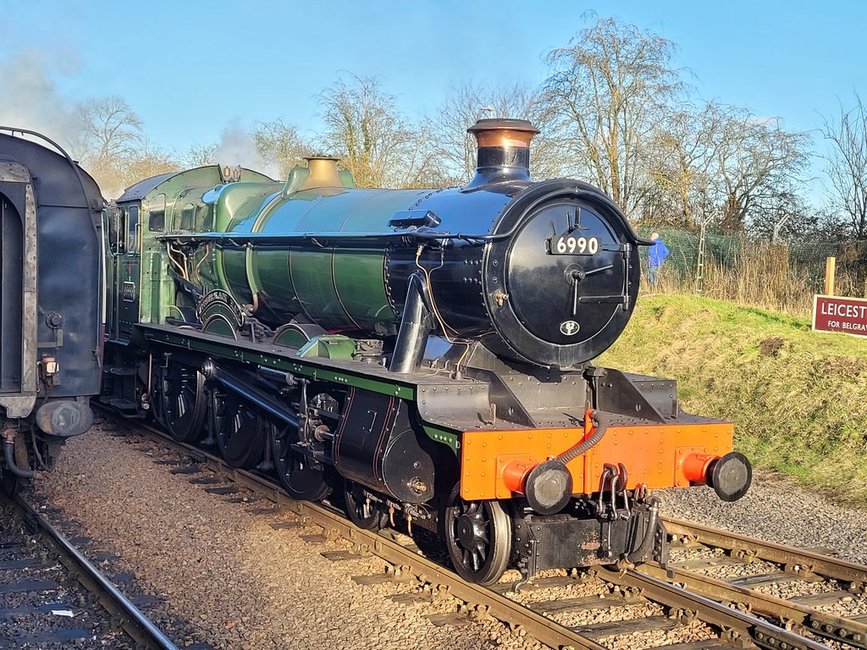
x,y
503,150
322,172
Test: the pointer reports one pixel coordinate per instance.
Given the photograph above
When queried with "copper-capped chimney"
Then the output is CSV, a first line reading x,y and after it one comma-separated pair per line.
x,y
503,150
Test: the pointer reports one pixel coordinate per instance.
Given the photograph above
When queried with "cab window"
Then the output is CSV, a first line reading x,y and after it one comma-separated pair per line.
x,y
157,220
204,218
117,228
132,229
187,216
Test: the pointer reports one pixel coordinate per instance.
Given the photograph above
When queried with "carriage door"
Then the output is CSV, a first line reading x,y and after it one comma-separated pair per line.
x,y
17,291
126,260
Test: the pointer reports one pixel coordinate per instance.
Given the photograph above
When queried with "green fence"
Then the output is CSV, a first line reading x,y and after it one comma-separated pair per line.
x,y
806,259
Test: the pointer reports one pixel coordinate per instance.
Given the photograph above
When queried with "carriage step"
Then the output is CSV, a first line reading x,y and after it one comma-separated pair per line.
x,y
126,405
123,371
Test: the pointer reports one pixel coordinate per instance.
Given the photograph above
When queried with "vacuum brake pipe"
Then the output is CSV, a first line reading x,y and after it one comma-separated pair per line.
x,y
9,453
600,419
548,485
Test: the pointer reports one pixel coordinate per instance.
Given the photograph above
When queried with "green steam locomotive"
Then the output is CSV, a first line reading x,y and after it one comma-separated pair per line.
x,y
425,353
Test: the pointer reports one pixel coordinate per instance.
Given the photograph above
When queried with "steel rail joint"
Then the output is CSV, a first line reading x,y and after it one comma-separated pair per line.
x,y
747,626
810,561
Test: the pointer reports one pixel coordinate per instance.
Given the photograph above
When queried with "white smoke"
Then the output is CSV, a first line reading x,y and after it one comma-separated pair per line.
x,y
237,146
31,99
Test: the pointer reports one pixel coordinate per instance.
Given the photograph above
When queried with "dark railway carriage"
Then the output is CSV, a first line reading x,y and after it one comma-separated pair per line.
x,y
427,352
51,299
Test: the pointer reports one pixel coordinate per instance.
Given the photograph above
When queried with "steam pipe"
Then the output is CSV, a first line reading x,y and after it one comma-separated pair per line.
x,y
252,394
415,326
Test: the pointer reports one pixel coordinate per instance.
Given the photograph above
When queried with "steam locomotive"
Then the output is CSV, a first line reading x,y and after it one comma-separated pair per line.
x,y
427,354
51,300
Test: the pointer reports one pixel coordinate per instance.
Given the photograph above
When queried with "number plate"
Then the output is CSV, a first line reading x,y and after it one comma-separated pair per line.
x,y
128,292
569,245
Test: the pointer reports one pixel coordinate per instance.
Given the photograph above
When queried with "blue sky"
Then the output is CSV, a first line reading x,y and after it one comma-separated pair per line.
x,y
190,69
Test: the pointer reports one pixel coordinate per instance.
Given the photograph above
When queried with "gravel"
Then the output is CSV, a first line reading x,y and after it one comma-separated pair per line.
x,y
42,606
777,510
225,577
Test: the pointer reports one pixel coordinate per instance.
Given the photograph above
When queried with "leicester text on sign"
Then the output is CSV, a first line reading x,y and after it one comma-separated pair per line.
x,y
845,315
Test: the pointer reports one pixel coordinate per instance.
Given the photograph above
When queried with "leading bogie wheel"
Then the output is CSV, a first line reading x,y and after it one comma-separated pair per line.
x,y
479,538
362,511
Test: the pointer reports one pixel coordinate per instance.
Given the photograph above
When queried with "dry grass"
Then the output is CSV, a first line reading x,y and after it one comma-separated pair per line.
x,y
798,398
761,275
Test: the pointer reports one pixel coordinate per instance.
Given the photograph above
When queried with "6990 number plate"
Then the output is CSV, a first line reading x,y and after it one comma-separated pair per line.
x,y
569,245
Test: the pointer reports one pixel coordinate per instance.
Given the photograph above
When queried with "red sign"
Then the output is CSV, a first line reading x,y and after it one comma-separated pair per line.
x,y
844,315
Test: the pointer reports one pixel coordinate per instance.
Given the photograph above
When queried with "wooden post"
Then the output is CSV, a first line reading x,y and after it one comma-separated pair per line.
x,y
830,272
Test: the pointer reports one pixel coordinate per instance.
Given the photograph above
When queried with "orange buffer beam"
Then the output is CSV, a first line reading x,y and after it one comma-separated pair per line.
x,y
494,463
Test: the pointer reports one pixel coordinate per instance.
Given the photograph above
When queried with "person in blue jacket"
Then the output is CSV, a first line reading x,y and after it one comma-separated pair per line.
x,y
656,255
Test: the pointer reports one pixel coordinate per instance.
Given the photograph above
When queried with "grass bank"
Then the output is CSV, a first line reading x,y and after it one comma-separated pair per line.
x,y
798,398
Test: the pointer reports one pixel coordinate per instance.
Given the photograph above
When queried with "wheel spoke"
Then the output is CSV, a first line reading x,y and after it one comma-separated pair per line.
x,y
240,437
181,401
300,480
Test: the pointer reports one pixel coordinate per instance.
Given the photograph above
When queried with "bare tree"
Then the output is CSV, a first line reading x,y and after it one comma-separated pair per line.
x,y
378,145
454,147
110,129
722,164
280,145
606,95
756,160
113,146
782,217
199,155
681,164
847,164
148,161
116,174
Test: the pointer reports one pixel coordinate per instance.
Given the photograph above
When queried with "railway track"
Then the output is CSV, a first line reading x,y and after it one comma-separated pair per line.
x,y
601,608
795,587
52,596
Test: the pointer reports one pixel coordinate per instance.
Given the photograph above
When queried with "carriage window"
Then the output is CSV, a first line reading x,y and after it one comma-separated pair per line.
x,y
157,221
132,229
